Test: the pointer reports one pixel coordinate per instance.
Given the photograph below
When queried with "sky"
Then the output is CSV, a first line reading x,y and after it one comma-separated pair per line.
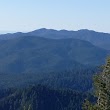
x,y
28,15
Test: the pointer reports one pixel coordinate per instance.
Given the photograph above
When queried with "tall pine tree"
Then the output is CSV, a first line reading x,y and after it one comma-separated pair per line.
x,y
102,90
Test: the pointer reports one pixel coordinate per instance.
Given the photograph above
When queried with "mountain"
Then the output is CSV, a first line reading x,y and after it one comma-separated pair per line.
x,y
59,63
37,54
99,39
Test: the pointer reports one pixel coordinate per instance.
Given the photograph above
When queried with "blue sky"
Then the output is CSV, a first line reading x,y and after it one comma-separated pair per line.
x,y
27,15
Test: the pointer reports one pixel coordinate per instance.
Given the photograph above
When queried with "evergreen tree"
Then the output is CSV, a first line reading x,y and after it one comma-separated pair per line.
x,y
102,90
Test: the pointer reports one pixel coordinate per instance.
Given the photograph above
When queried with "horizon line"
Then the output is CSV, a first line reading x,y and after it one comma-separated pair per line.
x,y
12,31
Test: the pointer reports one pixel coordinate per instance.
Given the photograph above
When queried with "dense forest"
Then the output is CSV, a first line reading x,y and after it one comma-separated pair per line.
x,y
52,91
39,73
41,98
79,79
54,54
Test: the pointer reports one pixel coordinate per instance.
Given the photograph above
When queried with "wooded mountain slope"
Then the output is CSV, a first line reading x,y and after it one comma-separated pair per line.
x,y
37,54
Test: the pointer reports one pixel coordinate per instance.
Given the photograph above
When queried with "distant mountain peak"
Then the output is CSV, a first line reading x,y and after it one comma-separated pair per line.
x,y
86,30
99,39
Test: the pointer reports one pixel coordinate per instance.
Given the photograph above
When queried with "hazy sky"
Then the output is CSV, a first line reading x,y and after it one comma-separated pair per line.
x,y
27,15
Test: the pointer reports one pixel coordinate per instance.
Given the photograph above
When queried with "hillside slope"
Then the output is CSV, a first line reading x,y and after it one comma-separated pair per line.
x,y
36,54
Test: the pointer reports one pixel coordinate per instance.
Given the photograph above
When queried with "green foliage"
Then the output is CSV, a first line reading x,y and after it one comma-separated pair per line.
x,y
87,105
102,90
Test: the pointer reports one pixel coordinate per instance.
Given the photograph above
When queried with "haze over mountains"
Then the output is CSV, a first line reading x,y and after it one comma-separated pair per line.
x,y
99,39
46,51
64,61
38,54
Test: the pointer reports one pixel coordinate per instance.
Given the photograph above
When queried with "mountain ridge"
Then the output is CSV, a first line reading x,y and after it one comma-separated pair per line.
x,y
99,39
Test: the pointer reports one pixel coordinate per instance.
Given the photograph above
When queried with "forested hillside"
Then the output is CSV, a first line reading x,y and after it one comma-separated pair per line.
x,y
35,54
61,70
76,79
53,55
41,98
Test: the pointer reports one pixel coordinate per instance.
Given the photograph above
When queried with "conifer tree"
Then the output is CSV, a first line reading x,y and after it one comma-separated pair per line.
x,y
102,90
